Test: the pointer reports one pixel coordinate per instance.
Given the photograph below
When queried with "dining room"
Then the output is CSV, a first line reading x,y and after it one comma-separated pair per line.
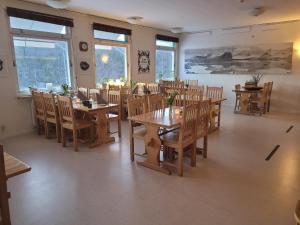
x,y
129,112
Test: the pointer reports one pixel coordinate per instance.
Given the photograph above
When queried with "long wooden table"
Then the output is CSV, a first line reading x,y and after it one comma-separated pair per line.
x,y
100,112
14,166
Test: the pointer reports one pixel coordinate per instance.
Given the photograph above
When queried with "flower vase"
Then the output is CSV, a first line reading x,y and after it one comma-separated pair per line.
x,y
170,110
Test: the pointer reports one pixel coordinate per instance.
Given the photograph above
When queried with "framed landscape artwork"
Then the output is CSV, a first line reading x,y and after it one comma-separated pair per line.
x,y
265,59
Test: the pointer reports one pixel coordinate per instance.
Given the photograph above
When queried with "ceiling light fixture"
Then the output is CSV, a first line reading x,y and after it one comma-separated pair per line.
x,y
257,11
134,19
58,4
176,30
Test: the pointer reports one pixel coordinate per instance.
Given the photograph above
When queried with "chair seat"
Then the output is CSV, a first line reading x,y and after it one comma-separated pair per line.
x,y
79,124
171,139
139,132
112,116
51,120
40,117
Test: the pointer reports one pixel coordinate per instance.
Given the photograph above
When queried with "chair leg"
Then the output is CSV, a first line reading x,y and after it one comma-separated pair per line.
x,y
92,133
131,146
119,126
180,162
194,155
75,140
58,135
63,137
46,129
38,125
5,211
205,147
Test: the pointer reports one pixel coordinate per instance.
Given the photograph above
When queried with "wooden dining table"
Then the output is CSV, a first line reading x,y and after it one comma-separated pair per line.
x,y
14,166
244,96
99,111
153,121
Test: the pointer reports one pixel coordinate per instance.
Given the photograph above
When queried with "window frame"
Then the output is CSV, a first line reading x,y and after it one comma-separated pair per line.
x,y
127,45
165,48
15,32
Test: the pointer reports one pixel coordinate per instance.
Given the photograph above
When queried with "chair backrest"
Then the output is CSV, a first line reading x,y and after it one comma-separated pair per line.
x,y
65,108
189,120
191,82
136,106
203,118
173,84
50,106
214,92
193,96
153,87
297,213
113,87
263,96
114,97
237,87
4,195
270,88
155,102
39,103
84,91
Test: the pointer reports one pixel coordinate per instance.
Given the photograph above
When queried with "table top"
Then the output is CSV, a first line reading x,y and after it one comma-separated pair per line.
x,y
214,100
14,166
161,117
95,107
247,91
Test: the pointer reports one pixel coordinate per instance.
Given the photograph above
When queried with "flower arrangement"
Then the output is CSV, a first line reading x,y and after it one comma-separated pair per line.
x,y
170,99
66,89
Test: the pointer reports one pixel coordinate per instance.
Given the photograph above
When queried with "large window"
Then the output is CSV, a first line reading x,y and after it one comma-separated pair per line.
x,y
166,49
41,47
111,53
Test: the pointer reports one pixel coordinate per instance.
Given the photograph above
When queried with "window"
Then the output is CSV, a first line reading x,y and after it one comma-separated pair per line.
x,y
41,48
111,53
41,63
111,62
166,49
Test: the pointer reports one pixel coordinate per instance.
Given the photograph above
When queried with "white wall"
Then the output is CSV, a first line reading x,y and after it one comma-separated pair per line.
x,y
15,114
286,94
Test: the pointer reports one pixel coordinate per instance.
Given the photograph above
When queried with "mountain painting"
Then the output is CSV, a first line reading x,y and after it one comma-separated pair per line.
x,y
265,59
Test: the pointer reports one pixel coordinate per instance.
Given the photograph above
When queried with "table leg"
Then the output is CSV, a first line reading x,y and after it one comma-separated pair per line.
x,y
102,127
152,146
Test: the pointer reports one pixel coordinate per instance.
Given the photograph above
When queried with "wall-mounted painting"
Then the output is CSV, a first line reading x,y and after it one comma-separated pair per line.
x,y
143,61
265,59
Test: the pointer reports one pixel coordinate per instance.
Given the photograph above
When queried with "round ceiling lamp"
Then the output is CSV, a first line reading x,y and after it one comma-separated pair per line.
x,y
58,4
257,11
176,30
134,19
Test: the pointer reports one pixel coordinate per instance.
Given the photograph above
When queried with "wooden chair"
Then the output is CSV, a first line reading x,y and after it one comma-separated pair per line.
x,y
270,88
155,102
153,87
125,94
193,96
184,137
114,97
52,116
297,213
113,87
214,92
237,97
40,111
258,104
136,107
202,125
4,194
69,122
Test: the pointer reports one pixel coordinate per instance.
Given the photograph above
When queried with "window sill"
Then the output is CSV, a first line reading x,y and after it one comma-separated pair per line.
x,y
22,96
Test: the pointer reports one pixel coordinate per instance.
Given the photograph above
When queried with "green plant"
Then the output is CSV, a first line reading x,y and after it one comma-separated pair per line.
x,y
123,79
66,89
255,79
170,99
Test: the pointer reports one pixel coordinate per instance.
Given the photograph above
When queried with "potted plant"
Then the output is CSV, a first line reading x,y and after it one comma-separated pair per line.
x,y
254,80
65,89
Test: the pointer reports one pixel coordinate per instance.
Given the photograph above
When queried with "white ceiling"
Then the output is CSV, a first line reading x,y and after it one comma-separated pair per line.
x,y
192,15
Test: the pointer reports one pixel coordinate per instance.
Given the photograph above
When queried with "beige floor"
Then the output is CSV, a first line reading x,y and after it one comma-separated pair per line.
x,y
234,186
